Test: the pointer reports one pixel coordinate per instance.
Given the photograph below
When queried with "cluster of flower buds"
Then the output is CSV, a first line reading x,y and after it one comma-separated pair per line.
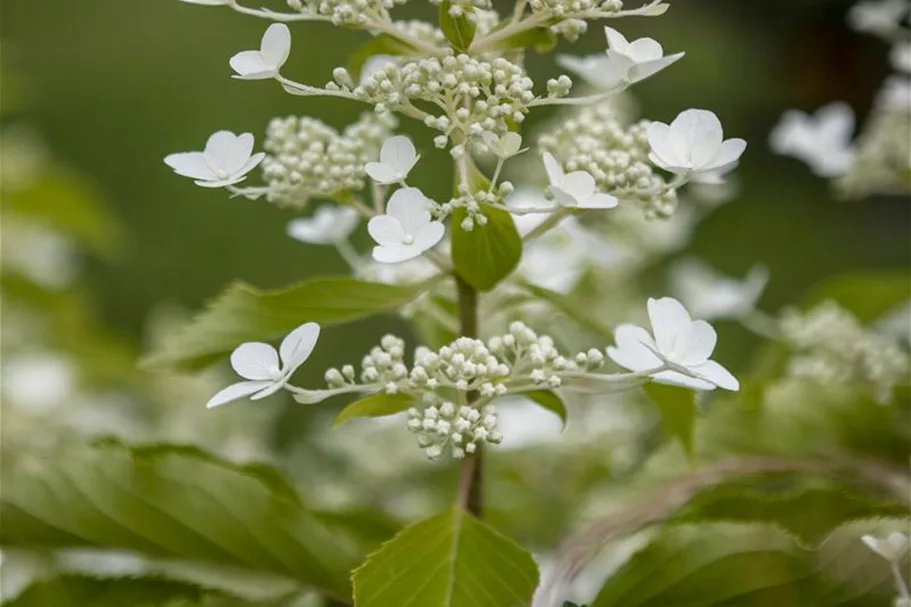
x,y
594,139
472,201
307,158
459,429
833,347
343,12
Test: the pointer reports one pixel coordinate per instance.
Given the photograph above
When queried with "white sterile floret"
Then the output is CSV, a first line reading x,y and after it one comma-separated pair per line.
x,y
901,56
623,64
710,295
406,230
576,189
328,225
397,158
226,160
269,59
504,146
693,146
681,345
892,548
822,140
880,17
258,363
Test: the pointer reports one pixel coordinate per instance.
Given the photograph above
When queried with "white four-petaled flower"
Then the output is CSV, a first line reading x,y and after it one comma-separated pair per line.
x,y
576,189
226,160
328,225
623,64
269,59
680,346
397,158
710,295
822,140
693,146
406,230
258,363
504,146
892,548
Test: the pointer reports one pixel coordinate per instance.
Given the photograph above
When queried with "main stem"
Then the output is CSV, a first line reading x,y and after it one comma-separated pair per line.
x,y
471,477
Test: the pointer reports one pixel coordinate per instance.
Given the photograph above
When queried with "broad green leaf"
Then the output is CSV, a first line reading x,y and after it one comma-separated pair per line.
x,y
243,313
678,412
449,560
551,401
175,503
712,565
384,44
567,306
809,512
375,405
542,39
486,254
82,591
459,30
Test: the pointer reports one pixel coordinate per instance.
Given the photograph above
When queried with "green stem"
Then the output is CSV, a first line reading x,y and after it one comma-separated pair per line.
x,y
471,478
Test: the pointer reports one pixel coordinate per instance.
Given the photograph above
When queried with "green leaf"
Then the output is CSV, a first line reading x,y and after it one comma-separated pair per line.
x,y
384,44
678,412
449,560
542,39
82,590
375,405
808,512
175,503
567,306
711,565
459,30
486,254
243,313
868,295
551,401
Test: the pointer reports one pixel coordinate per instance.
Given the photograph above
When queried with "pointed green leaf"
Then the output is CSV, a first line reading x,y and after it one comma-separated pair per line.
x,y
375,405
678,412
459,30
567,306
551,401
449,560
174,503
244,313
486,254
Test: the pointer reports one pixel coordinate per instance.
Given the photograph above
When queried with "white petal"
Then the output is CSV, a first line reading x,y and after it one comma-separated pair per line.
x,y
297,346
579,184
398,153
553,169
644,49
642,71
219,149
250,65
428,236
702,132
220,183
239,153
510,144
395,253
597,70
700,343
409,206
664,151
190,164
386,230
276,45
255,360
836,122
598,201
718,375
670,323
382,173
631,351
235,391
728,155
615,40
673,378
563,197
251,163
272,388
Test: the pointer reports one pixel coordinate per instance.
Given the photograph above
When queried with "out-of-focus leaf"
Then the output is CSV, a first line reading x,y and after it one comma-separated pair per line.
x,y
375,405
542,39
459,30
449,560
551,401
82,591
678,412
867,295
384,44
567,306
243,313
175,503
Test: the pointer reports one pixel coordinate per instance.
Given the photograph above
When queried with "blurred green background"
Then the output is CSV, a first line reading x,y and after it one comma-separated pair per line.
x,y
115,85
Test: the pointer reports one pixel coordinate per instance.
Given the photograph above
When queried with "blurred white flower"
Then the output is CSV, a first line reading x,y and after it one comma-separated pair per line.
x,y
901,56
693,146
406,230
258,363
680,344
880,17
892,548
896,324
525,424
895,94
576,189
38,381
822,140
505,146
226,160
265,63
409,272
397,158
710,295
623,64
330,224
42,255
